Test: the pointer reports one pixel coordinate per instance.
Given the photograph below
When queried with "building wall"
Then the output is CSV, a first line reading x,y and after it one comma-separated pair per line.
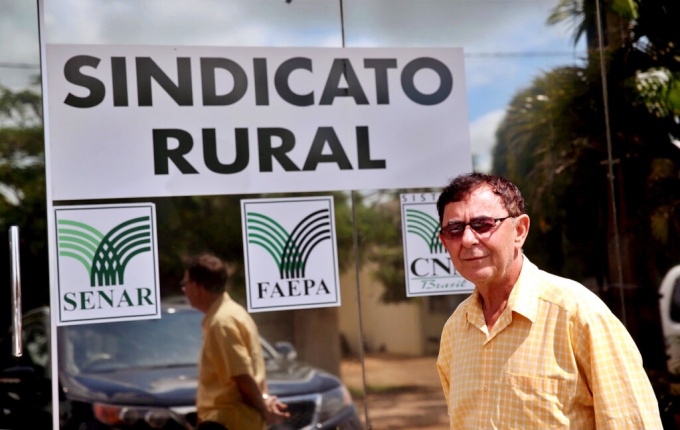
x,y
392,328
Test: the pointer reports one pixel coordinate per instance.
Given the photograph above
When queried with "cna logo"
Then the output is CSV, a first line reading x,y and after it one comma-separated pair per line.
x,y
289,251
425,227
427,266
104,255
107,263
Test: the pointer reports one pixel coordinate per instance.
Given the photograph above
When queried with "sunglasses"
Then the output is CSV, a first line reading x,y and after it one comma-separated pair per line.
x,y
480,225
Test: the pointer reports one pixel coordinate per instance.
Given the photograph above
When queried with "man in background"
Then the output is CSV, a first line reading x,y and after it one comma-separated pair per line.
x,y
232,391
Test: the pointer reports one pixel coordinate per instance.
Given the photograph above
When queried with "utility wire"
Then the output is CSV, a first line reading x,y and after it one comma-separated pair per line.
x,y
5,65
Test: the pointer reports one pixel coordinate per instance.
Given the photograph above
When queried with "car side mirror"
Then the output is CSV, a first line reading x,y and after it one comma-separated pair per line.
x,y
286,349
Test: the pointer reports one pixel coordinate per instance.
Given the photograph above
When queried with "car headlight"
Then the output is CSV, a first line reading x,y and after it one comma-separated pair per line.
x,y
130,415
334,401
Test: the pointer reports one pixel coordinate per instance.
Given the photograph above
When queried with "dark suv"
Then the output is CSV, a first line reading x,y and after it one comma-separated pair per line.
x,y
143,374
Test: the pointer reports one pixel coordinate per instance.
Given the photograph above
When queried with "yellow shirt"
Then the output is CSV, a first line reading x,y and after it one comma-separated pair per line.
x,y
231,347
557,358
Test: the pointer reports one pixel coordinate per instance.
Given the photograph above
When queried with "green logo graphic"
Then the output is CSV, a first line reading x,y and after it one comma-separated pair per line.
x,y
104,256
426,227
290,251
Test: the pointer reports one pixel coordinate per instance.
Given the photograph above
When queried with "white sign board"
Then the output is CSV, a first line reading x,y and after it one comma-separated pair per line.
x,y
107,263
428,267
290,253
142,121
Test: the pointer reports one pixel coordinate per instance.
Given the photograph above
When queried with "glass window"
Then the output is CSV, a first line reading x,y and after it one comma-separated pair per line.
x,y
599,172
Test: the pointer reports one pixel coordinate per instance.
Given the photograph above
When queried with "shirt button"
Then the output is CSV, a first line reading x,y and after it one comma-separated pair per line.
x,y
485,388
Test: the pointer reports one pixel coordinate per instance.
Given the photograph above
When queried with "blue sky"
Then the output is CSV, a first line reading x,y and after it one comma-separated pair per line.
x,y
507,42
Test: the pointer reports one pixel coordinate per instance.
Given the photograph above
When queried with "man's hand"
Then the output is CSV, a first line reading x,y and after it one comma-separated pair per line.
x,y
277,411
271,409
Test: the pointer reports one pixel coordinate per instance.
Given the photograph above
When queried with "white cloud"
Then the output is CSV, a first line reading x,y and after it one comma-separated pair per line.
x,y
206,22
483,138
19,51
479,26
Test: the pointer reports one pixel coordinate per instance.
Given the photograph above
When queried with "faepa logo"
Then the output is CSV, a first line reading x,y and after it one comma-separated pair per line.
x,y
426,227
290,251
104,256
106,262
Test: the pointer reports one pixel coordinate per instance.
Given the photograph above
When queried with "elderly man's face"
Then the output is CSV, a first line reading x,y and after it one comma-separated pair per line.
x,y
484,258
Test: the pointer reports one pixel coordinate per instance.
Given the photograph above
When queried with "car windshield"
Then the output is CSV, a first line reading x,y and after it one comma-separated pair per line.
x,y
172,340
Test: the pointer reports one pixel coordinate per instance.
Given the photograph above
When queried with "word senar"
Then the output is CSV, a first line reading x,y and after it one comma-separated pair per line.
x,y
342,71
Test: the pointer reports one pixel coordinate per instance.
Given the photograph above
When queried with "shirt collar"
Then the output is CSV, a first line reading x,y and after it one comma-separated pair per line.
x,y
212,310
523,298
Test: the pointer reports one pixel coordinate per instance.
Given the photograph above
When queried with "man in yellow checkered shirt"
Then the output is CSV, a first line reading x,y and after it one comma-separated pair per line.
x,y
529,350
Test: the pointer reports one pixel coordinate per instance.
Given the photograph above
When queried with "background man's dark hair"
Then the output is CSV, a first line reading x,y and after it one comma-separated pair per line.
x,y
209,271
461,186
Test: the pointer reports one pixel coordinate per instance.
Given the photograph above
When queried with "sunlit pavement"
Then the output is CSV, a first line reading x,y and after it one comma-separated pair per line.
x,y
403,392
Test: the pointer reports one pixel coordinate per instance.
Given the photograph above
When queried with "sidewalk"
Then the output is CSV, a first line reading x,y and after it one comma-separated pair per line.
x,y
403,392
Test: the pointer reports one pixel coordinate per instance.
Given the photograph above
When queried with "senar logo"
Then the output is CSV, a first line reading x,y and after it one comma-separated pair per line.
x,y
105,257
290,253
106,262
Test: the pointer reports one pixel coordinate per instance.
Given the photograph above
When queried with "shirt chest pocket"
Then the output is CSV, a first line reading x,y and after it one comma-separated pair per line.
x,y
533,402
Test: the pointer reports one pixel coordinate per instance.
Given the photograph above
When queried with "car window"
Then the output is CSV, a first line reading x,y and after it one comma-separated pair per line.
x,y
172,340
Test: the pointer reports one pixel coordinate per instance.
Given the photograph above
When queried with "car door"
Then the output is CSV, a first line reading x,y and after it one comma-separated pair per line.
x,y
669,303
25,389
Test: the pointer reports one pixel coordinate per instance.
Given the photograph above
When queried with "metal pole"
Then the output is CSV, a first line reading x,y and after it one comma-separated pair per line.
x,y
357,269
610,163
15,280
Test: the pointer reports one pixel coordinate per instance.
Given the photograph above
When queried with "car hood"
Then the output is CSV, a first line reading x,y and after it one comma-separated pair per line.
x,y
176,386
293,378
138,386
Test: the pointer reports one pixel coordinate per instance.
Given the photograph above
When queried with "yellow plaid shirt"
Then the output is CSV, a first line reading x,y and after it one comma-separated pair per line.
x,y
557,358
231,347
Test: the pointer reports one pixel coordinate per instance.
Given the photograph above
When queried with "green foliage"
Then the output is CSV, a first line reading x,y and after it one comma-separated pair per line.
x,y
20,109
653,54
381,224
22,193
579,15
553,143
